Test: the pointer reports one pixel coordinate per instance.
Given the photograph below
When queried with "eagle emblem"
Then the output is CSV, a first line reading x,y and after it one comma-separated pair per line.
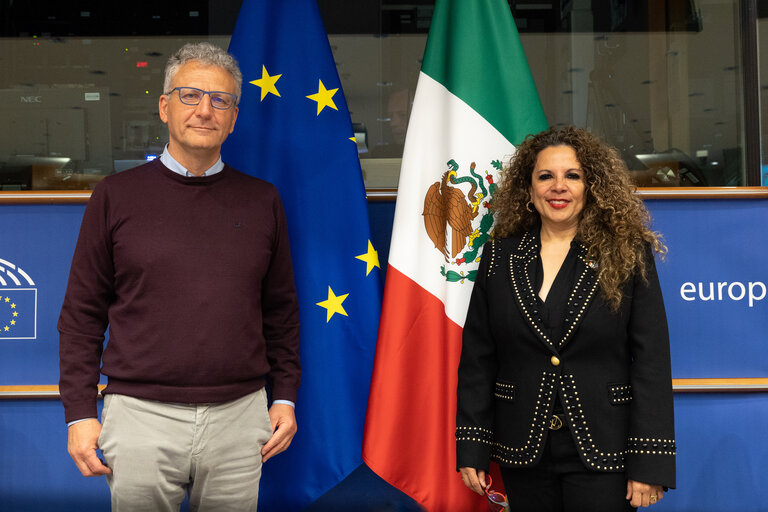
x,y
459,220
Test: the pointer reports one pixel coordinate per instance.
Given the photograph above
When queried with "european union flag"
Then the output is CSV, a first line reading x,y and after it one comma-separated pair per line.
x,y
294,130
18,313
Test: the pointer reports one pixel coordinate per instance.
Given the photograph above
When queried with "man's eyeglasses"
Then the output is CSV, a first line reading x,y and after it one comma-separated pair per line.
x,y
192,96
496,500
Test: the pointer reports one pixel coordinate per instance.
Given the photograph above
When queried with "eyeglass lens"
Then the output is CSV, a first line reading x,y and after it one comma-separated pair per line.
x,y
193,96
497,502
497,497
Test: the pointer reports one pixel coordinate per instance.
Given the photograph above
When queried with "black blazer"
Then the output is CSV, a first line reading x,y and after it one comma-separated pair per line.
x,y
611,370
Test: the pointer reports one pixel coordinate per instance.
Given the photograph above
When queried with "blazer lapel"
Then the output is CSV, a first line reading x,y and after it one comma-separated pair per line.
x,y
520,266
521,263
581,295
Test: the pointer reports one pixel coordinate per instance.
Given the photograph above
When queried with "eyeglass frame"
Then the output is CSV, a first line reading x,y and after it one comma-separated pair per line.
x,y
493,503
210,98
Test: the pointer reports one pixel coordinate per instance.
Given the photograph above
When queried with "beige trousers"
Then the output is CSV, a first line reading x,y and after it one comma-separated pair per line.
x,y
161,451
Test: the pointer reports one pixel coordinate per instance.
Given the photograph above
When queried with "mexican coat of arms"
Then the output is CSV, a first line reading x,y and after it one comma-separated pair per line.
x,y
458,217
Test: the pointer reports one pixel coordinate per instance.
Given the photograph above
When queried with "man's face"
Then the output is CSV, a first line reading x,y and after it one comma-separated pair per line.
x,y
195,129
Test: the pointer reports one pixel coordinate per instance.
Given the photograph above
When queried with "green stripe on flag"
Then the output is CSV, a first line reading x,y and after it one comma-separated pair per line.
x,y
474,50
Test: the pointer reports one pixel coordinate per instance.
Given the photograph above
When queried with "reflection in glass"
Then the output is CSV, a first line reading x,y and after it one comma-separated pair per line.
x,y
661,80
670,101
762,36
77,109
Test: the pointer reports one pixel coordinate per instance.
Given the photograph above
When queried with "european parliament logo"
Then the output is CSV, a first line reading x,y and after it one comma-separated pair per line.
x,y
18,303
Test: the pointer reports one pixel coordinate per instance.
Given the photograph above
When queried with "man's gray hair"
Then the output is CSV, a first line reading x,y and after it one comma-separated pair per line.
x,y
206,54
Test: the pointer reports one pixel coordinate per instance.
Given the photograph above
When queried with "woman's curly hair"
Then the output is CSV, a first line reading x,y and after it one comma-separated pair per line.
x,y
614,222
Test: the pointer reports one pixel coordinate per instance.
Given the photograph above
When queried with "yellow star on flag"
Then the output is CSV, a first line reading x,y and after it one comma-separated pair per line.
x,y
7,299
7,328
267,83
13,322
15,313
371,258
333,304
323,97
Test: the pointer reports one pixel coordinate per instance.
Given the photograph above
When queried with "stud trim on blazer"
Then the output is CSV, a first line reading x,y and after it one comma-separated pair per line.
x,y
594,457
620,394
651,446
526,453
474,434
494,263
505,391
578,301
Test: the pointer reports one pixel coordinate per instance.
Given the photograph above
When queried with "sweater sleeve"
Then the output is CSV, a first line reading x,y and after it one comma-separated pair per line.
x,y
477,370
281,314
651,443
83,319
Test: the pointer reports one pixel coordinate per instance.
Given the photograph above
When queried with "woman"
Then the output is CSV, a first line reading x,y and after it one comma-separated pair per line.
x,y
565,375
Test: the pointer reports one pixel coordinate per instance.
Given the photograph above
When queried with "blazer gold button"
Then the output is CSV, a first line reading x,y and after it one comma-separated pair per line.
x,y
555,361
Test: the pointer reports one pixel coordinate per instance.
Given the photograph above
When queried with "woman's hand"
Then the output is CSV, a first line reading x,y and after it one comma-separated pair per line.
x,y
474,479
643,495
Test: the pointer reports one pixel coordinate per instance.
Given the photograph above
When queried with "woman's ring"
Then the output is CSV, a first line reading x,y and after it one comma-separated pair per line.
x,y
653,498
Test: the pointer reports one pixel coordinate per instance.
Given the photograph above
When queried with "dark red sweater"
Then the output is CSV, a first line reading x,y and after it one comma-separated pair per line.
x,y
194,277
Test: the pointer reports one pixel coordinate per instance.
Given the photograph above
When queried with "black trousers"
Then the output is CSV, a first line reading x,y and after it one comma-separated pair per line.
x,y
560,482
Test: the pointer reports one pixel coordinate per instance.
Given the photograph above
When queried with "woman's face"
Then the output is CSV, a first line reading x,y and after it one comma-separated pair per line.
x,y
557,187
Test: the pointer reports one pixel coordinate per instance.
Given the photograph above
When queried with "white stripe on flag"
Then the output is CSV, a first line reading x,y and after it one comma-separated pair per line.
x,y
448,129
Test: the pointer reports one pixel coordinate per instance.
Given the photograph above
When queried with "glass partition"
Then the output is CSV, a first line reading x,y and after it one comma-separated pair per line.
x,y
762,36
662,80
76,109
670,98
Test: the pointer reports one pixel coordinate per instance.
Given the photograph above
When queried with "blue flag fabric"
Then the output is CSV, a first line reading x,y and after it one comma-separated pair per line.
x,y
18,312
294,130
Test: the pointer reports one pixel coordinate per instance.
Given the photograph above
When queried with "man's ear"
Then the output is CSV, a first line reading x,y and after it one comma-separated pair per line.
x,y
162,107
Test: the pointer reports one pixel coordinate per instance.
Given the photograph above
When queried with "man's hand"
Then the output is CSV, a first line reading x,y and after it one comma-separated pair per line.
x,y
284,427
82,445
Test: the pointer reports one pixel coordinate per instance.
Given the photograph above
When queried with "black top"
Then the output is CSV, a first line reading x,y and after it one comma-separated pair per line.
x,y
553,309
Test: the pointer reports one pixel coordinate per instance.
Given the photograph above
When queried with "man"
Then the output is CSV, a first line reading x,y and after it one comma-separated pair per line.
x,y
187,261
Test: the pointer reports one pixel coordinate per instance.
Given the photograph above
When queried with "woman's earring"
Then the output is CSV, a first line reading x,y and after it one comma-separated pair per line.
x,y
529,206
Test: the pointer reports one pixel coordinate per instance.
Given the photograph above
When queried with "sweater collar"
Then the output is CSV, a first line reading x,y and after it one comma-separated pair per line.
x,y
172,164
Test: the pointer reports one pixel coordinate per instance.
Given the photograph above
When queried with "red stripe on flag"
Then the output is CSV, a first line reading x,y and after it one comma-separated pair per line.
x,y
410,425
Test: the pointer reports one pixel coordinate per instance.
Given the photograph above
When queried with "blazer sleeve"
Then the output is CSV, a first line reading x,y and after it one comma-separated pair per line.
x,y
477,371
651,445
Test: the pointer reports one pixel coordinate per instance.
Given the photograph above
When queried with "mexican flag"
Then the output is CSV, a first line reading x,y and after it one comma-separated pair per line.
x,y
475,100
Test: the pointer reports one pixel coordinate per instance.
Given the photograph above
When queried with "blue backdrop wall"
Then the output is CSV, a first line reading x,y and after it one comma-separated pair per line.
x,y
714,287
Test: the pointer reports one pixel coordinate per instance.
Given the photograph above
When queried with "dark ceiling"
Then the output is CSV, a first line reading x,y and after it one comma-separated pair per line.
x,y
90,18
